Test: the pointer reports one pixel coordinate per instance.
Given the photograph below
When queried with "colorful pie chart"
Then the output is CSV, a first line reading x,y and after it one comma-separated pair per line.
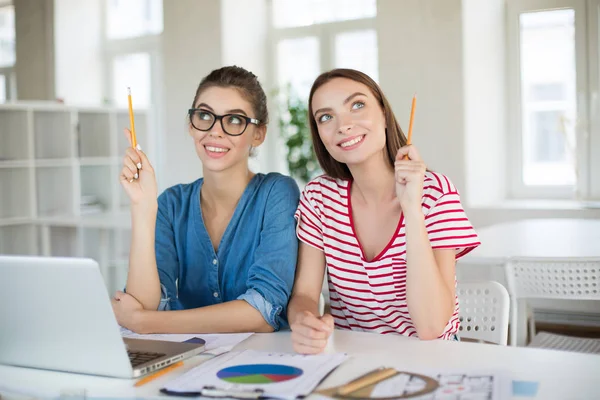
x,y
253,374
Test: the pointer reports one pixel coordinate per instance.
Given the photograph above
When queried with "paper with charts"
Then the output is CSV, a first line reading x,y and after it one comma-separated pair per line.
x,y
278,375
452,385
216,344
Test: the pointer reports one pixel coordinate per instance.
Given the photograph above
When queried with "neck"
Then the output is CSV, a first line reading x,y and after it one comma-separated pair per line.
x,y
374,181
223,189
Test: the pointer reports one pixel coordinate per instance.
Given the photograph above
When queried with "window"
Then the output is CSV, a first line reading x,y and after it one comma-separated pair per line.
x,y
131,56
132,70
310,37
7,36
319,35
298,63
290,13
357,50
549,99
132,49
7,51
131,18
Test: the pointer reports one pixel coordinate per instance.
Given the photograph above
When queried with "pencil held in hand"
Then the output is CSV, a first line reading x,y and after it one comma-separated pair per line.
x,y
131,121
410,123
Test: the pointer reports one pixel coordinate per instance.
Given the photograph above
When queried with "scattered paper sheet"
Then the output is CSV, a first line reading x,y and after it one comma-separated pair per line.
x,y
453,385
274,375
215,343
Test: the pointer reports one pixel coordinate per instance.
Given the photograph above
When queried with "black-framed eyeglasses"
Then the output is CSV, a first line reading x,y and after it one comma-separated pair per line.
x,y
232,124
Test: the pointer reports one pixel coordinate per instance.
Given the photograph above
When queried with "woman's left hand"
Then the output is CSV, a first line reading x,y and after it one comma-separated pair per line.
x,y
409,174
127,310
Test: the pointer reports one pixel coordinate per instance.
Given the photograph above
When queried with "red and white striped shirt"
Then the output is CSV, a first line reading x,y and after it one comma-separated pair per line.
x,y
371,295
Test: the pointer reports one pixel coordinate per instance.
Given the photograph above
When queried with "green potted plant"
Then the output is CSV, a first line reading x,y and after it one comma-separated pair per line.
x,y
293,126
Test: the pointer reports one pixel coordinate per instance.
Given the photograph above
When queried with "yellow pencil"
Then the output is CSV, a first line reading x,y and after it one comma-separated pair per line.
x,y
412,119
410,123
133,138
159,373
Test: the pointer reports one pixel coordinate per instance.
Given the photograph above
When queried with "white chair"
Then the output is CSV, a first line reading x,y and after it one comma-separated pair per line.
x,y
546,278
483,311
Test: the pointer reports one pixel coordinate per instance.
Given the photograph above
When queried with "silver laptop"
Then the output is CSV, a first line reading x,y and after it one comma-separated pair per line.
x,y
56,314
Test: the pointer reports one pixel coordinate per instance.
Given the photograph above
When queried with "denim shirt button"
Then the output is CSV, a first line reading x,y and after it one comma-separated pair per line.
x,y
215,261
216,294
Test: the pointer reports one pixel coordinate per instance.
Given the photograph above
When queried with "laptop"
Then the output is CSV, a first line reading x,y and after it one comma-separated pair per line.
x,y
56,314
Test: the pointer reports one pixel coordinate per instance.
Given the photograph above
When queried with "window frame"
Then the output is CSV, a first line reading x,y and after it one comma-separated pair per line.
x,y
514,156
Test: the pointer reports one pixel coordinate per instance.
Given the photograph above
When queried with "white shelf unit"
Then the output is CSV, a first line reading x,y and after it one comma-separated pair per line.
x,y
19,238
59,187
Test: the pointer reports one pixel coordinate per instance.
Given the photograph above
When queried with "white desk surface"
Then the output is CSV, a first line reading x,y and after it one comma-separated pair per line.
x,y
561,375
560,238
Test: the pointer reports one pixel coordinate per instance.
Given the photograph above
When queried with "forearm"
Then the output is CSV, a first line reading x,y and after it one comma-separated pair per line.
x,y
229,317
429,299
300,303
143,282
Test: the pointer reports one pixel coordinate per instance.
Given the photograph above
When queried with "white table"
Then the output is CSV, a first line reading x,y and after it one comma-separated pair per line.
x,y
561,375
560,238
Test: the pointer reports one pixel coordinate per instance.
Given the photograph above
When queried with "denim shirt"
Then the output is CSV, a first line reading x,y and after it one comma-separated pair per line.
x,y
256,258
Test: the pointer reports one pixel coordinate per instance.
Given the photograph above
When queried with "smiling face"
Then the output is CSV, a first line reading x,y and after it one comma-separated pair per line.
x,y
218,150
349,120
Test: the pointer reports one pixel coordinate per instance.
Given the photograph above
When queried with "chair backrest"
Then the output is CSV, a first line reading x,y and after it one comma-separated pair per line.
x,y
483,311
547,278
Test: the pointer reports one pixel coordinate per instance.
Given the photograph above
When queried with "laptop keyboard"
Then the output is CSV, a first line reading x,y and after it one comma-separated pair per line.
x,y
139,357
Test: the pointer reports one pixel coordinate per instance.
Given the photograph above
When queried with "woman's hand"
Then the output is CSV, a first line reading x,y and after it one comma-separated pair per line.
x,y
127,310
410,175
310,333
137,176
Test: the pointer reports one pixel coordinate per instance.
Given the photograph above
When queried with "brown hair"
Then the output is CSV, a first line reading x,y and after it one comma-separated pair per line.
x,y
245,82
394,136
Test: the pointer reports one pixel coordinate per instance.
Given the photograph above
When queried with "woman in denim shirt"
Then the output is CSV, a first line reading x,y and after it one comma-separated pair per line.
x,y
218,254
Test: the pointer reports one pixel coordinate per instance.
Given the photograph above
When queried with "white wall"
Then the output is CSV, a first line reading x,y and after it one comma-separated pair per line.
x,y
244,31
79,63
484,61
191,48
245,44
34,49
420,50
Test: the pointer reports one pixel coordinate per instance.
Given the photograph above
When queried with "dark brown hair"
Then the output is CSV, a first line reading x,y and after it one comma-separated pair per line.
x,y
245,82
394,136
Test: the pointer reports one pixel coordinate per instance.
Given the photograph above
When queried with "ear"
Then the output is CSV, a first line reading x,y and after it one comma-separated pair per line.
x,y
188,122
259,135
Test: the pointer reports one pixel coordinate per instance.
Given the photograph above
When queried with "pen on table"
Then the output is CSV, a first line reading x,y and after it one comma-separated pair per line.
x,y
410,123
159,373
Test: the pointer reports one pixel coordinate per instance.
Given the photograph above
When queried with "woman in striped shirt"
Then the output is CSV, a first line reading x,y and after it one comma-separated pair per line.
x,y
387,230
